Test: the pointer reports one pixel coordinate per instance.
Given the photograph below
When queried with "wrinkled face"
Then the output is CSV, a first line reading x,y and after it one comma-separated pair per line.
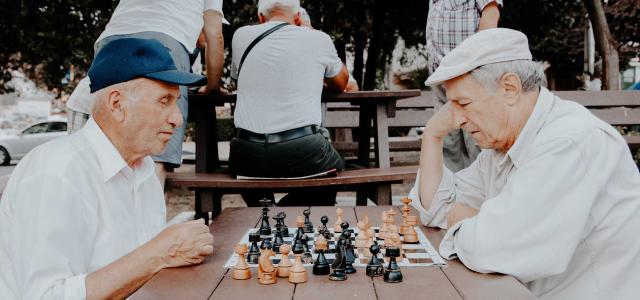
x,y
152,114
481,113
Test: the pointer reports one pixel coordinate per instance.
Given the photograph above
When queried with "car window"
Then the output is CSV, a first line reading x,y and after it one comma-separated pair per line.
x,y
38,128
57,126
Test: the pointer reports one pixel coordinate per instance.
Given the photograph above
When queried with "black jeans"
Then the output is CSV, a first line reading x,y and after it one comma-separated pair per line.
x,y
303,156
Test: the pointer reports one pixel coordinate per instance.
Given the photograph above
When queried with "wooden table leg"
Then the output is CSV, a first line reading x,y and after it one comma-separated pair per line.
x,y
364,137
381,143
207,202
207,159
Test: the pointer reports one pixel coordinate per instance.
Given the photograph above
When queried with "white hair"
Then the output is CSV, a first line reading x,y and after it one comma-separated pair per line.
x,y
304,16
131,87
266,7
531,74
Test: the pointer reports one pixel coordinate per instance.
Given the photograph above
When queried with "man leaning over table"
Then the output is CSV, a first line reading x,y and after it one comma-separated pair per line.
x,y
553,198
84,216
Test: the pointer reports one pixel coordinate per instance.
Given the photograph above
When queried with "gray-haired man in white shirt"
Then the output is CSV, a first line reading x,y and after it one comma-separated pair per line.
x,y
553,198
84,216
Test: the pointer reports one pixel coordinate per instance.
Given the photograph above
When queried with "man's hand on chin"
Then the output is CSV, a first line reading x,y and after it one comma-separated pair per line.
x,y
460,211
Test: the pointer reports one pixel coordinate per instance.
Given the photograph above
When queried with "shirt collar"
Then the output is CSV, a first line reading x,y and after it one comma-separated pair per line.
x,y
517,153
111,162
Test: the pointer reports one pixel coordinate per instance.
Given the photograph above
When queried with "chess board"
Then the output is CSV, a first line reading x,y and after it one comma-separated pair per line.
x,y
422,254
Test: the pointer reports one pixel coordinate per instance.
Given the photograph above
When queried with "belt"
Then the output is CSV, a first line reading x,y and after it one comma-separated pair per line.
x,y
278,137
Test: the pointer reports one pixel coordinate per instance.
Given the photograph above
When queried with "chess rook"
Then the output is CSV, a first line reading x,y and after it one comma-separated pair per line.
x,y
392,274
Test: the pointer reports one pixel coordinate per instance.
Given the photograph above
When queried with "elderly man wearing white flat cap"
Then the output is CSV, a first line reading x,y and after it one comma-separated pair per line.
x,y
553,198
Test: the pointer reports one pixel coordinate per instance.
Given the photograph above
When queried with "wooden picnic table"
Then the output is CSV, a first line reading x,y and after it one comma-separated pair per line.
x,y
376,106
211,280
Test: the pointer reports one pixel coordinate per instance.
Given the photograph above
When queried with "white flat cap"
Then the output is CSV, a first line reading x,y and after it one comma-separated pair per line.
x,y
484,47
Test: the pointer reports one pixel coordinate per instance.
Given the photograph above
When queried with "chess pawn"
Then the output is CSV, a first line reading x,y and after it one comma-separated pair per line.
x,y
300,225
297,273
307,258
321,266
285,263
339,220
393,240
266,270
392,273
241,269
254,251
324,230
375,267
371,233
411,236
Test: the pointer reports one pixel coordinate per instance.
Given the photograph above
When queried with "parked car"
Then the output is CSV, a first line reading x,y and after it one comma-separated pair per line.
x,y
16,146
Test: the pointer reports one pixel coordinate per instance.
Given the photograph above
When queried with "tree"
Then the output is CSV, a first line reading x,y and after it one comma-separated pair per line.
x,y
605,45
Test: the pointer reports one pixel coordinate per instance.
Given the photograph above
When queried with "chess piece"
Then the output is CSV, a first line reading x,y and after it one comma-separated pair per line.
x,y
405,213
392,273
254,251
382,233
285,264
266,270
339,220
284,230
371,236
306,257
410,235
300,225
363,235
241,269
265,239
321,266
375,267
349,253
391,227
324,230
297,273
265,228
308,226
278,240
393,239
339,263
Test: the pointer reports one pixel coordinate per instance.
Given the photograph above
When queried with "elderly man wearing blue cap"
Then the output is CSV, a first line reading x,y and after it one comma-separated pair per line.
x,y
84,216
553,198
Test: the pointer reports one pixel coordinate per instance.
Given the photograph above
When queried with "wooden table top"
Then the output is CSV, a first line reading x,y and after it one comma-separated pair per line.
x,y
211,280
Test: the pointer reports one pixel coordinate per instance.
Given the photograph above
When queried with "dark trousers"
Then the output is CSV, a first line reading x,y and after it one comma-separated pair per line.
x,y
303,156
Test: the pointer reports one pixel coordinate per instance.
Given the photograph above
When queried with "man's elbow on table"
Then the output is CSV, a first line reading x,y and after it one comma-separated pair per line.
x,y
339,82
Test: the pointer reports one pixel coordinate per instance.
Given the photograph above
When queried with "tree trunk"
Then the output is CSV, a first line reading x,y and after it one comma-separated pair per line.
x,y
375,45
605,45
359,39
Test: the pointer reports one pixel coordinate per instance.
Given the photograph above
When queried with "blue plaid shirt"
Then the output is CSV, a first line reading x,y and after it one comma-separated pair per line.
x,y
449,23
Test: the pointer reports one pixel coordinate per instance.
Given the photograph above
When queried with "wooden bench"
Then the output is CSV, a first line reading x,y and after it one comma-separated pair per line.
x,y
618,108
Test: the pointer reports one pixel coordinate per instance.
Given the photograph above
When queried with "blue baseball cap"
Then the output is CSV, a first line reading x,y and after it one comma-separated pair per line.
x,y
130,58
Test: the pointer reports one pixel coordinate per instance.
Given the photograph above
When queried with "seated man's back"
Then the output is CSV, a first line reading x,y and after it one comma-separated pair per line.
x,y
281,79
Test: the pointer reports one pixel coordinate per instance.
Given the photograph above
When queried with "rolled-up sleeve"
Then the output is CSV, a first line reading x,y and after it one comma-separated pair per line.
x,y
213,5
465,186
533,226
480,4
51,239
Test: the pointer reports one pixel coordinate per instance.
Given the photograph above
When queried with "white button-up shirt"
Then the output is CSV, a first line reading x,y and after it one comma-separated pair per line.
x,y
560,210
73,206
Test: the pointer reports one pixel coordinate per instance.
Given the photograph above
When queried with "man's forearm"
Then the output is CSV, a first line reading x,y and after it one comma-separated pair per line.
x,y
124,276
490,16
214,53
431,161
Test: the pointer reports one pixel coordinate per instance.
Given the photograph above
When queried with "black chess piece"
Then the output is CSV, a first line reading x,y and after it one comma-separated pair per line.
x,y
375,267
350,255
254,251
306,257
339,263
321,266
265,228
277,239
279,224
297,245
344,225
284,231
325,232
266,243
308,226
392,274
